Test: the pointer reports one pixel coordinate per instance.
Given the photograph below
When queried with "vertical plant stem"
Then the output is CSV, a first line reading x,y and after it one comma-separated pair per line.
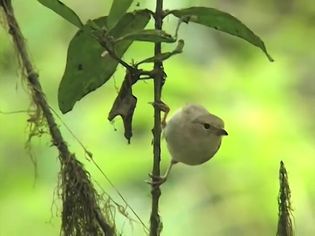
x,y
155,221
67,159
285,222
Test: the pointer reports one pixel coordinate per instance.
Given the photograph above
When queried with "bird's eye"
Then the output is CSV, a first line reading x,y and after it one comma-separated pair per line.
x,y
206,126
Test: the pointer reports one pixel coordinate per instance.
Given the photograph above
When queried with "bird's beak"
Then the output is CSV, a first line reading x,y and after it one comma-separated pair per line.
x,y
222,132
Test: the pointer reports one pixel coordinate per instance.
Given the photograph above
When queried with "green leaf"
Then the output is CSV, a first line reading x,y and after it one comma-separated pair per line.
x,y
88,65
118,9
165,55
221,21
150,35
62,10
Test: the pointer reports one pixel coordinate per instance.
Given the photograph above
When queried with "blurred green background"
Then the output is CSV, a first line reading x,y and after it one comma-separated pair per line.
x,y
268,109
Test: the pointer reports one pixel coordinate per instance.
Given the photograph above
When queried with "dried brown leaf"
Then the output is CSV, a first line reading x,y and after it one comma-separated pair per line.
x,y
125,104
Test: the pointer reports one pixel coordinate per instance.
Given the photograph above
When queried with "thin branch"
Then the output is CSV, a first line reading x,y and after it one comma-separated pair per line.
x,y
38,96
14,112
152,13
114,56
32,78
155,221
105,41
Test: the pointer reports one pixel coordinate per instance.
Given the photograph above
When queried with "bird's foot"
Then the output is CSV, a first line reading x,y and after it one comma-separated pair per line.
x,y
156,180
163,107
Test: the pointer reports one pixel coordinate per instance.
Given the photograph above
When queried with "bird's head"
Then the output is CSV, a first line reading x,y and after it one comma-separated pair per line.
x,y
203,123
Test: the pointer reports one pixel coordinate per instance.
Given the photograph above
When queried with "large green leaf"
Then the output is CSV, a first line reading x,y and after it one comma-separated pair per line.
x,y
88,67
221,21
149,35
118,9
62,10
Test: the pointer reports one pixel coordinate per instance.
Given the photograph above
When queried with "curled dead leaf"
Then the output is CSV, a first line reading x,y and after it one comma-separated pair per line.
x,y
125,104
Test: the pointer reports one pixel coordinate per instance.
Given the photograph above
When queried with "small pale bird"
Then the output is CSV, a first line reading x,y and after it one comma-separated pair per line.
x,y
193,136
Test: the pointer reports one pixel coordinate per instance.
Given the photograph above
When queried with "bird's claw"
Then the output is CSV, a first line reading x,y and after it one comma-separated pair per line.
x,y
163,107
156,180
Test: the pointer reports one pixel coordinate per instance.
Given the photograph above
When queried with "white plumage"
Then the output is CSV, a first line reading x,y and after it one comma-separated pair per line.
x,y
193,136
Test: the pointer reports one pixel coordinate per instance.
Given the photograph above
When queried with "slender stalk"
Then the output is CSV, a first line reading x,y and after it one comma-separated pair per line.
x,y
32,78
39,98
155,221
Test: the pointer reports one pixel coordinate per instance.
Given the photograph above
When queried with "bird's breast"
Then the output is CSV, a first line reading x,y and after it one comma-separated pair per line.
x,y
191,151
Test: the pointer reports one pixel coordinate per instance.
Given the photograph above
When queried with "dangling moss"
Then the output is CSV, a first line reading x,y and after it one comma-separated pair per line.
x,y
81,214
